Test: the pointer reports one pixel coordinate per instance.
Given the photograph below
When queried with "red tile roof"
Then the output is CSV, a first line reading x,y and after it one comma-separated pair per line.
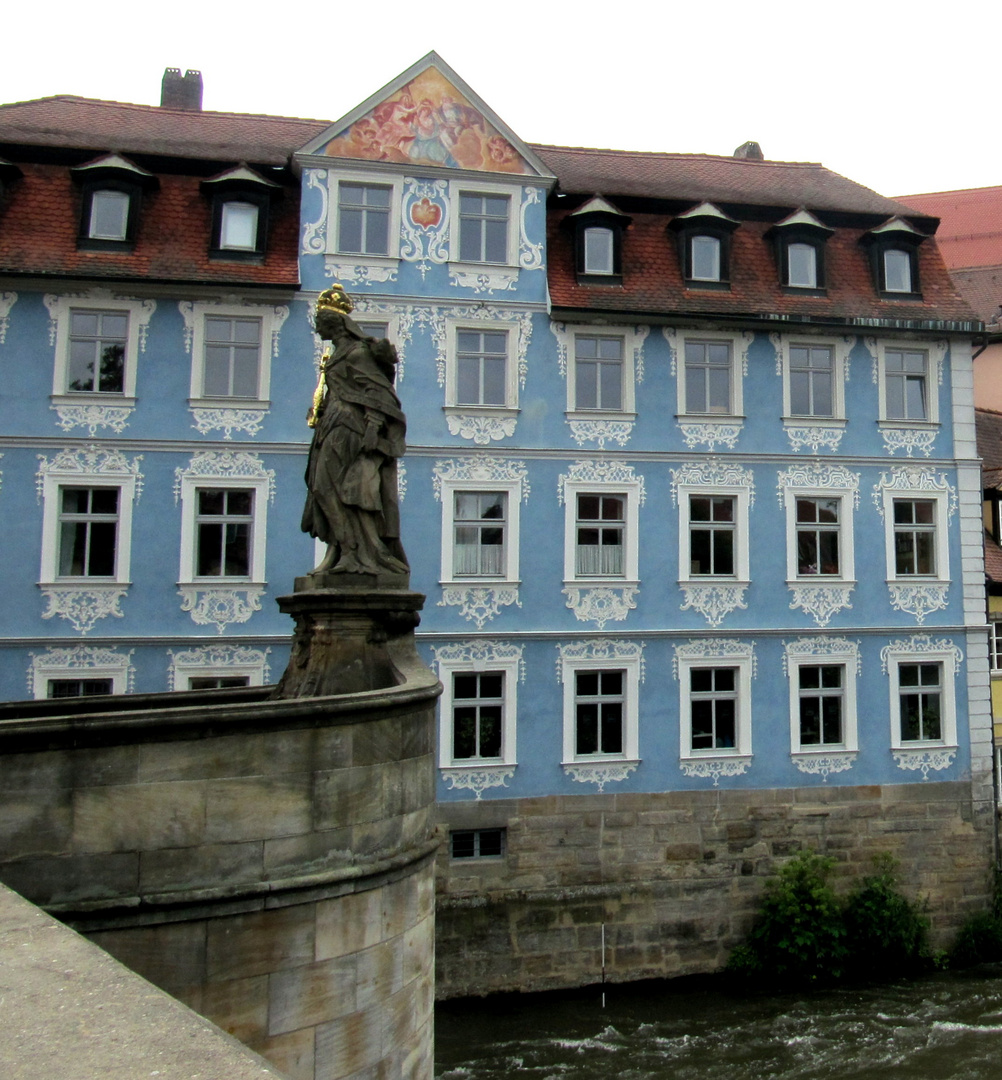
x,y
988,431
85,123
716,179
39,226
652,280
981,287
970,231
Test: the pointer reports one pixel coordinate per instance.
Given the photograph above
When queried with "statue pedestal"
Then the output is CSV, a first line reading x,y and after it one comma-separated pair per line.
x,y
354,632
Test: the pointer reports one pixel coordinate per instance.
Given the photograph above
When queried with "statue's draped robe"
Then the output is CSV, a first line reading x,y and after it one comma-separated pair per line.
x,y
351,497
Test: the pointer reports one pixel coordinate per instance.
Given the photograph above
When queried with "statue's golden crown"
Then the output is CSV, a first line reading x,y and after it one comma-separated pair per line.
x,y
335,299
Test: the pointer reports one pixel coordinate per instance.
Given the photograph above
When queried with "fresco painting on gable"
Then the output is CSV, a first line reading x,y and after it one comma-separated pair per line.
x,y
428,122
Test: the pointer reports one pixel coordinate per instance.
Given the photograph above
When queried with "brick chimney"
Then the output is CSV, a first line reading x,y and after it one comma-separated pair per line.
x,y
179,91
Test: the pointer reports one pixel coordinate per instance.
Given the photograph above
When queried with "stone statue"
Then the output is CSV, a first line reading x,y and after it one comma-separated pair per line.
x,y
358,434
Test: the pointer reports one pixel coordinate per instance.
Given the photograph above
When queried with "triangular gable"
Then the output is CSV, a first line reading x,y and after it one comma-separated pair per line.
x,y
428,116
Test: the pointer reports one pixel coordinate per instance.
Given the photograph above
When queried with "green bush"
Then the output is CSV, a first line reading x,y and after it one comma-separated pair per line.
x,y
799,935
979,941
886,933
804,934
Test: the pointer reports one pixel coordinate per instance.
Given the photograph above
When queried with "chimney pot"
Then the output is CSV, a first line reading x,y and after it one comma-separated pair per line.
x,y
750,151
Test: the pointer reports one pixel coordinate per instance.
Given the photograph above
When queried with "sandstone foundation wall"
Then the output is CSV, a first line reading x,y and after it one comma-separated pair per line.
x,y
675,878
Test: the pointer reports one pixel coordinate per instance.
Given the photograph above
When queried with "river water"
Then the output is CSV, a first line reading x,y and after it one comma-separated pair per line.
x,y
937,1027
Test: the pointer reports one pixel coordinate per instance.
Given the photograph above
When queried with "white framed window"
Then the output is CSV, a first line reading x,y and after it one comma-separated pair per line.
x,y
897,270
819,531
231,349
599,250
599,371
710,379
915,537
922,694
477,710
480,534
79,671
601,705
98,339
223,529
109,215
704,254
802,266
238,226
994,646
483,226
364,221
814,380
363,218
713,533
86,528
907,383
714,703
602,370
480,529
822,680
601,531
481,373
218,666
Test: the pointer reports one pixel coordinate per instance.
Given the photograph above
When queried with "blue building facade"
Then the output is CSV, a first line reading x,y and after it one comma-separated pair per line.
x,y
691,488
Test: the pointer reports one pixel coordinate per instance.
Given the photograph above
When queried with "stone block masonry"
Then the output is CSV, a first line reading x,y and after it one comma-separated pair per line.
x,y
268,863
676,877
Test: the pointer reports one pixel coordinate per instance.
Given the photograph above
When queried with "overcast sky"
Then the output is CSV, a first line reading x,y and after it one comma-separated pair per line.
x,y
900,97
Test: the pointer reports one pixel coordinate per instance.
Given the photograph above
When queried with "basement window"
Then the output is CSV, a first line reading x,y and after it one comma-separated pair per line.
x,y
477,843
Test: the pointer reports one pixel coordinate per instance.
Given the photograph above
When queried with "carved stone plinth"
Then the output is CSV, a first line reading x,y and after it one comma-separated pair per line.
x,y
354,632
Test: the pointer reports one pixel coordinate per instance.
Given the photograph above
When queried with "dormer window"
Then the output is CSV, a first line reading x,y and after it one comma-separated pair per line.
x,y
894,259
238,226
8,172
111,189
897,270
241,199
598,242
800,251
704,246
598,250
802,266
705,258
109,215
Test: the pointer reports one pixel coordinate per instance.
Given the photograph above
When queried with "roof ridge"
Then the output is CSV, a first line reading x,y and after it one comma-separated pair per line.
x,y
158,109
677,154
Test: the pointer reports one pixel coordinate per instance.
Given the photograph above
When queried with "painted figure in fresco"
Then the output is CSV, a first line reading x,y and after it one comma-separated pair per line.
x,y
358,435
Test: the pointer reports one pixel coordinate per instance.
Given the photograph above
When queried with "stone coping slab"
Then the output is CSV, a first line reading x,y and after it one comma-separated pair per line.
x,y
73,1012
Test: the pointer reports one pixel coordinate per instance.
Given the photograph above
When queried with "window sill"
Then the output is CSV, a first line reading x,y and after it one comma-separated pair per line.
x,y
481,410
86,583
803,290
93,397
815,421
601,583
708,286
257,404
714,579
600,414
821,579
477,776
479,582
886,423
222,582
702,418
